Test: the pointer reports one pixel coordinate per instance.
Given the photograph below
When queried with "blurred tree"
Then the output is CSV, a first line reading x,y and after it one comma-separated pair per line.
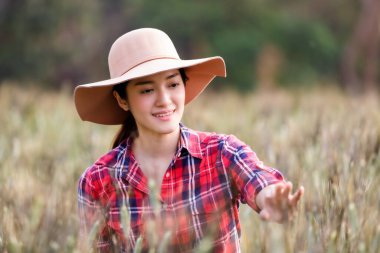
x,y
23,26
69,40
239,30
267,67
360,62
311,50
39,39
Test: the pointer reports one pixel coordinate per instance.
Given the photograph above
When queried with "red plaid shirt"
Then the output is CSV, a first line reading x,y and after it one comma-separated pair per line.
x,y
198,202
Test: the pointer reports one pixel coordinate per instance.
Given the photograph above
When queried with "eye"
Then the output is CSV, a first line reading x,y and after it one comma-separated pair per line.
x,y
173,85
146,91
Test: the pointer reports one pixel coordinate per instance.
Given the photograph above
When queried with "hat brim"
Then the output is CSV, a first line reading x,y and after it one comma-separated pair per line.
x,y
96,103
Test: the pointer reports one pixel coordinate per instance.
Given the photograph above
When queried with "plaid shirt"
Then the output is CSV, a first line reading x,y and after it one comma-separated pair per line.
x,y
197,203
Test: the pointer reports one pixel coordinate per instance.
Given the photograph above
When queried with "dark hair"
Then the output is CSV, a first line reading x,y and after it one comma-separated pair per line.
x,y
129,127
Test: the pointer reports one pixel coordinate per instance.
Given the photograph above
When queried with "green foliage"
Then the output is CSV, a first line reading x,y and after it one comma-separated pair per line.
x,y
40,38
310,50
58,41
24,27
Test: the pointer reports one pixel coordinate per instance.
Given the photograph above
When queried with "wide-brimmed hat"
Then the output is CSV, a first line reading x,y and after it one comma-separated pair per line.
x,y
140,53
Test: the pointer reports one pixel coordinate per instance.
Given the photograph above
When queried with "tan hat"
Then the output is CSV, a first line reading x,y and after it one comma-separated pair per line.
x,y
140,53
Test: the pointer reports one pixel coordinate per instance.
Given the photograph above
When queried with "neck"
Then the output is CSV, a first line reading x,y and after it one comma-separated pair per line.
x,y
157,145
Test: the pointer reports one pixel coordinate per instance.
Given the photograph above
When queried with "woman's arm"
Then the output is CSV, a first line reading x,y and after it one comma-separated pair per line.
x,y
263,188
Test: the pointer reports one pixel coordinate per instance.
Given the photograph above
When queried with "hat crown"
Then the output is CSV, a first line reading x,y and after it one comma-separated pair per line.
x,y
139,46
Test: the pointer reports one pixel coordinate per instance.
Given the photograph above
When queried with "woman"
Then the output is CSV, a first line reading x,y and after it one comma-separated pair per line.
x,y
163,184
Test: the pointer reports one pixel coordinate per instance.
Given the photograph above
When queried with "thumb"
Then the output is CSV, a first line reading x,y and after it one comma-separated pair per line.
x,y
264,215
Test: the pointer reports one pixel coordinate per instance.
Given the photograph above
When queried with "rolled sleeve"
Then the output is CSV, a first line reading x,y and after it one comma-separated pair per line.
x,y
248,173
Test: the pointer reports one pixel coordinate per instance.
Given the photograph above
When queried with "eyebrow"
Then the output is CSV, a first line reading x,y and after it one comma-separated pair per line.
x,y
151,82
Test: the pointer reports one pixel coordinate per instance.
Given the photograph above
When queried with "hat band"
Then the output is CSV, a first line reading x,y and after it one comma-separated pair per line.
x,y
148,60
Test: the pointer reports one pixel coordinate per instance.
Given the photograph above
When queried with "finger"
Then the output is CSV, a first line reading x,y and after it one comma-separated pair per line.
x,y
278,190
264,215
287,190
297,196
280,198
277,198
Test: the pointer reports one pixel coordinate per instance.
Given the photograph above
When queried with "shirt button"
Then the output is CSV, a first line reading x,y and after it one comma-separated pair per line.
x,y
167,175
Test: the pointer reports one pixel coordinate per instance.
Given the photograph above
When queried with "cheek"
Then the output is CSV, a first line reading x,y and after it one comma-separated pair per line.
x,y
139,105
181,95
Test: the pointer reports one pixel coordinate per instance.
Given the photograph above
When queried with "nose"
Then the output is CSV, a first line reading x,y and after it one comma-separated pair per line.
x,y
163,98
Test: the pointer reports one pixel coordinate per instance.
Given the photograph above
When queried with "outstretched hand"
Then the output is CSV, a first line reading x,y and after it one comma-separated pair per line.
x,y
278,203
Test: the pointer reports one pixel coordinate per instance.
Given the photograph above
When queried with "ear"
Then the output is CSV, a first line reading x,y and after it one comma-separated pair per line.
x,y
122,102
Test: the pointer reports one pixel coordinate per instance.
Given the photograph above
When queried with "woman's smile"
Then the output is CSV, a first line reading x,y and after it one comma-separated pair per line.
x,y
164,115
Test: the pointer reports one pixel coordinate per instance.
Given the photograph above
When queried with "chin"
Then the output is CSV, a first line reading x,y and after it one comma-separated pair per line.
x,y
169,128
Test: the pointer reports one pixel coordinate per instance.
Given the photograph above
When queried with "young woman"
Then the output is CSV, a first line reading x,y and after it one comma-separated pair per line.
x,y
163,184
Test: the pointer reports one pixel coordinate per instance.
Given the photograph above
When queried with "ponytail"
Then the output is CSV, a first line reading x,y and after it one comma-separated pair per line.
x,y
129,126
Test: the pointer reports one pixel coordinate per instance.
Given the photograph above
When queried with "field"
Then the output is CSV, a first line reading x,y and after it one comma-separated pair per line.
x,y
322,139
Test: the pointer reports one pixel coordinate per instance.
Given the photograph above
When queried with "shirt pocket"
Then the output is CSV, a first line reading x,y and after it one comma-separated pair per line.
x,y
199,217
210,192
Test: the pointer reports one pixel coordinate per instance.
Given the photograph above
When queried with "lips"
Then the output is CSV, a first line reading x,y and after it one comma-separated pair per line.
x,y
163,114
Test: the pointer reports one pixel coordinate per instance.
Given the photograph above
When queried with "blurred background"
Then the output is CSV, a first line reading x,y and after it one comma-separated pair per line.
x,y
265,43
302,91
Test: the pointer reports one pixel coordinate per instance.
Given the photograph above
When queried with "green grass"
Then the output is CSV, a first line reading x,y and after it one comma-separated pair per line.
x,y
322,139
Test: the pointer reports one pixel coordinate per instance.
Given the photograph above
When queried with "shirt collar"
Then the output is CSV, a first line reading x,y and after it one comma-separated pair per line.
x,y
190,141
133,174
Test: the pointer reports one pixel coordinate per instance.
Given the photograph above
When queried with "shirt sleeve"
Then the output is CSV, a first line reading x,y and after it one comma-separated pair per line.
x,y
91,215
249,175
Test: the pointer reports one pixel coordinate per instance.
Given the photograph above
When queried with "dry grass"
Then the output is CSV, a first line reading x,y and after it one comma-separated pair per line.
x,y
324,140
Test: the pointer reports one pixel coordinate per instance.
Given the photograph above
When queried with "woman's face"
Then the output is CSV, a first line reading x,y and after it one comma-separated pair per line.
x,y
157,102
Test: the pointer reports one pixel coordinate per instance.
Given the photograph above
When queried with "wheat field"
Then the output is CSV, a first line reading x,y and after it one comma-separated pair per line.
x,y
322,139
